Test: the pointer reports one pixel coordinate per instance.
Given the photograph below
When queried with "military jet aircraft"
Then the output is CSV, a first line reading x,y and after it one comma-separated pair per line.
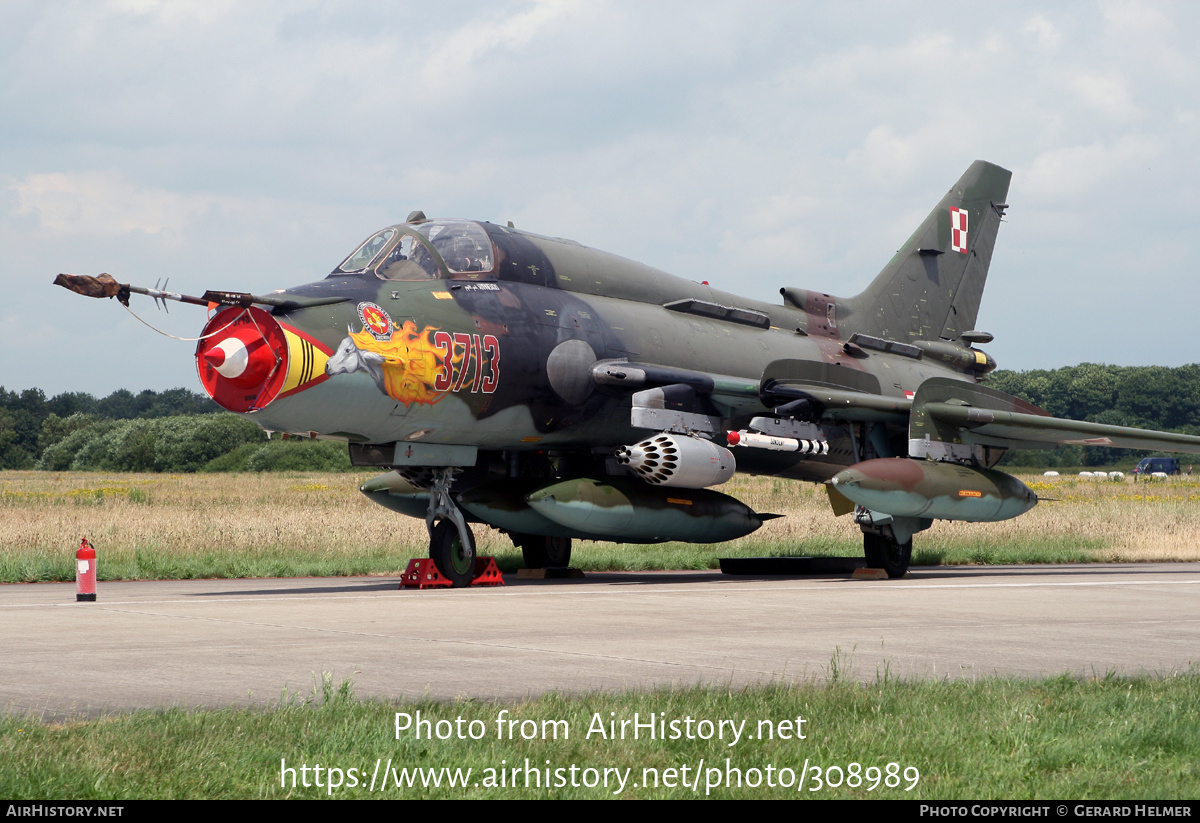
x,y
557,392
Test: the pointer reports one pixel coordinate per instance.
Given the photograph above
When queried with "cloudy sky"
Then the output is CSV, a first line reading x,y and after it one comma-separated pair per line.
x,y
250,146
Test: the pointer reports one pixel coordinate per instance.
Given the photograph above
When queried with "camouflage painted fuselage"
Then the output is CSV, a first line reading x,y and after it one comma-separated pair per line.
x,y
510,352
508,378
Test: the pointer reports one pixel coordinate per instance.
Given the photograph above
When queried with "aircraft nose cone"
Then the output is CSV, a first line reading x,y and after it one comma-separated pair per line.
x,y
540,494
847,477
229,357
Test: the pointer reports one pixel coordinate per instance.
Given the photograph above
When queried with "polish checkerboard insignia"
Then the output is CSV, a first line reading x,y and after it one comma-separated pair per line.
x,y
958,229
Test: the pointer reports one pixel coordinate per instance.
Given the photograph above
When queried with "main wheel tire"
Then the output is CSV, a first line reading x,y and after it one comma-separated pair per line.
x,y
885,553
455,561
541,552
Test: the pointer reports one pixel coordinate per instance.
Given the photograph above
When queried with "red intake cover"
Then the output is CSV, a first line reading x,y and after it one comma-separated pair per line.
x,y
243,365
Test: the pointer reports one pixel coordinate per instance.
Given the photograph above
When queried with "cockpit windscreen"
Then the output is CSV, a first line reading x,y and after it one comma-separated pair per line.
x,y
462,244
417,251
365,254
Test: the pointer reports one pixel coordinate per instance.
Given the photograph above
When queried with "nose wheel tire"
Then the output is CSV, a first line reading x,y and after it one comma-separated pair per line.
x,y
455,561
886,553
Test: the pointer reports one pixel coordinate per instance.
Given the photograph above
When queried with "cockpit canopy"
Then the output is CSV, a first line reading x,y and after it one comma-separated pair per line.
x,y
430,250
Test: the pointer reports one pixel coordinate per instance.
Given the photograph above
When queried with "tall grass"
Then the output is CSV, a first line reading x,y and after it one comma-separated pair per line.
x,y
289,524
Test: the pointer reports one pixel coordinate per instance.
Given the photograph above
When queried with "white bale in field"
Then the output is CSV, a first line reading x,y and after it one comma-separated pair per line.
x,y
1086,474
1159,475
1116,475
1050,474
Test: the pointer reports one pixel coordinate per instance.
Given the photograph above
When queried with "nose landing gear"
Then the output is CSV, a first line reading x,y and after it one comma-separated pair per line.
x,y
451,543
454,557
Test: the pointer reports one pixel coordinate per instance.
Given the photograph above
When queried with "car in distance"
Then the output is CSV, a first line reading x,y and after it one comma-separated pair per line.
x,y
1150,465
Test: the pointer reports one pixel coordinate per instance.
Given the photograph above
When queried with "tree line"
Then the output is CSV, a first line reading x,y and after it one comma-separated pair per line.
x,y
183,431
171,431
1145,397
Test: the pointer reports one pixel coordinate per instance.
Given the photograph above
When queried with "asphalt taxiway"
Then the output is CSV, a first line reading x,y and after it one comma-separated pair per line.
x,y
222,642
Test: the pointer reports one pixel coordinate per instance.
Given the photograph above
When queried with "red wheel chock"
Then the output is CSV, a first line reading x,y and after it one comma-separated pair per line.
x,y
487,573
422,573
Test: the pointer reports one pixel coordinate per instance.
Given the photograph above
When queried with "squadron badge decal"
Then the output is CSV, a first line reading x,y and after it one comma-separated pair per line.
x,y
375,320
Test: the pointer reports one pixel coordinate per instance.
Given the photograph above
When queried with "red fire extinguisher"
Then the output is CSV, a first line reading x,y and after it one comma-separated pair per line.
x,y
85,571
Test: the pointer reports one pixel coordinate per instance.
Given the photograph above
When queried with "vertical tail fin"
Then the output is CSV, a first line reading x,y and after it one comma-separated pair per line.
x,y
931,289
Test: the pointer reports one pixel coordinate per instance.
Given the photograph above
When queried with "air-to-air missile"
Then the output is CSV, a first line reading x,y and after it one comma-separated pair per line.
x,y
904,487
754,440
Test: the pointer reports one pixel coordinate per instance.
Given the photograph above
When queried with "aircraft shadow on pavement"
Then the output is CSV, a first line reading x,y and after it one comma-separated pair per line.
x,y
1066,569
383,584
664,578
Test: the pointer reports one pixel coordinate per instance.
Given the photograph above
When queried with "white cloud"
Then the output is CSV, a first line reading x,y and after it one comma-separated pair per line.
x,y
1106,92
103,203
1078,171
751,144
1042,32
1135,19
453,60
884,154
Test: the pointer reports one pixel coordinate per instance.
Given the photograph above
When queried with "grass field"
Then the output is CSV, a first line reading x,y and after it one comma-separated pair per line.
x,y
1104,737
1107,738
282,524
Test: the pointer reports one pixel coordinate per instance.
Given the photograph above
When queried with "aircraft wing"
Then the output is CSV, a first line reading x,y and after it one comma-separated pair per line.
x,y
737,394
994,427
637,376
951,411
943,410
842,404
834,393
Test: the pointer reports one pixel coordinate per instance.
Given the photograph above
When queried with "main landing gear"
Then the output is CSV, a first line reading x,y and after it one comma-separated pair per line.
x,y
541,552
887,540
885,552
